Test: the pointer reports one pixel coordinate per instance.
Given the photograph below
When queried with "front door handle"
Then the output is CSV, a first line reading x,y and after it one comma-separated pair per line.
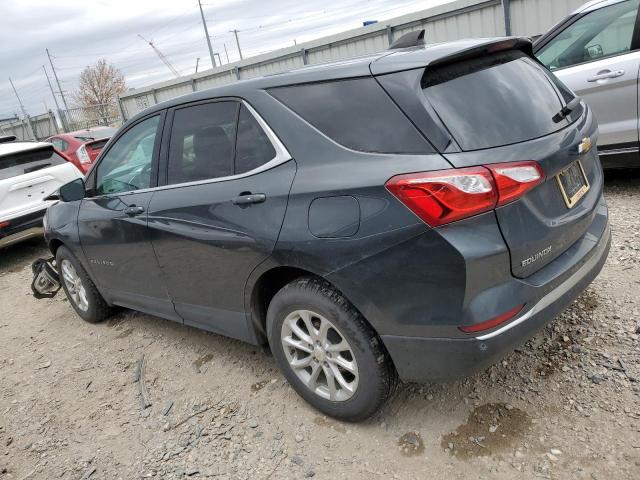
x,y
133,210
605,74
248,198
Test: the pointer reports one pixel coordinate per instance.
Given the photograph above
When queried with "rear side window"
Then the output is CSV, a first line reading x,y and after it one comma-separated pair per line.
x,y
253,147
495,100
202,142
356,113
20,163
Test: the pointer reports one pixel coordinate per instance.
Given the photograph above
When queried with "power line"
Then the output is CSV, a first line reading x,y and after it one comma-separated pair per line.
x,y
166,24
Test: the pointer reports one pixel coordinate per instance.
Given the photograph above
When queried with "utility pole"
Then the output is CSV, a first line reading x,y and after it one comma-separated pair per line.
x,y
197,62
206,34
55,100
235,32
55,75
161,56
64,118
226,53
51,88
24,112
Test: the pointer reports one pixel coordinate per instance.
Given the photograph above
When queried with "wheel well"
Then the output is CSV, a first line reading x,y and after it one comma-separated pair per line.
x,y
54,245
268,285
265,289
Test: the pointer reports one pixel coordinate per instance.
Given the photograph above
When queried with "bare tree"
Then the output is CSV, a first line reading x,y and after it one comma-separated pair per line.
x,y
98,90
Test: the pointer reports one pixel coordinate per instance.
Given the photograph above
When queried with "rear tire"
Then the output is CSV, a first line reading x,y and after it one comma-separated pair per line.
x,y
80,290
327,351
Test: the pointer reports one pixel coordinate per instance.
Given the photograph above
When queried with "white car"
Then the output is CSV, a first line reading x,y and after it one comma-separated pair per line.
x,y
29,173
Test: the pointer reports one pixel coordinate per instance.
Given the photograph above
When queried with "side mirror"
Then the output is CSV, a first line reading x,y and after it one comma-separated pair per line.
x,y
72,191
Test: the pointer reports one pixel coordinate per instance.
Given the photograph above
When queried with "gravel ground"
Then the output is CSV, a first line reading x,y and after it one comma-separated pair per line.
x,y
565,405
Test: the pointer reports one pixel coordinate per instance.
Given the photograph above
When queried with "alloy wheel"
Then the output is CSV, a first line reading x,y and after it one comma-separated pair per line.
x,y
319,355
74,285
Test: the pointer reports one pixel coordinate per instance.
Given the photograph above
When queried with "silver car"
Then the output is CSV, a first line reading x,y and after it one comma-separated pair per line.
x,y
596,52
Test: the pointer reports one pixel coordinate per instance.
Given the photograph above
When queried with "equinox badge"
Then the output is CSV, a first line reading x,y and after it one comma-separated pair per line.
x,y
536,256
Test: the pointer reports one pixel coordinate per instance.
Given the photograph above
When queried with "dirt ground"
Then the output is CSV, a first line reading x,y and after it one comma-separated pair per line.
x,y
566,405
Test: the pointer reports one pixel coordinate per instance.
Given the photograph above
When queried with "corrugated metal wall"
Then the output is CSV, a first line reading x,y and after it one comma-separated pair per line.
x,y
452,21
533,17
43,125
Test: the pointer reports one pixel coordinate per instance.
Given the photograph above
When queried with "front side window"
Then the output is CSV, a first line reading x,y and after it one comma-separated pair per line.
x,y
599,34
128,163
202,142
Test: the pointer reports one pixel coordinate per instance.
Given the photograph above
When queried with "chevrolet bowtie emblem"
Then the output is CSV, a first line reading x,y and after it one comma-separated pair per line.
x,y
584,146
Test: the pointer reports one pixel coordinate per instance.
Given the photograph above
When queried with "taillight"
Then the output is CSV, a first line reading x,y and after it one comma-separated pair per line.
x,y
447,195
5,224
82,154
444,196
515,179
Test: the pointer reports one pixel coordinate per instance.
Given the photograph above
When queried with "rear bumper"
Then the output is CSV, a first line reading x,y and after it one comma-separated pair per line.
x,y
22,228
422,359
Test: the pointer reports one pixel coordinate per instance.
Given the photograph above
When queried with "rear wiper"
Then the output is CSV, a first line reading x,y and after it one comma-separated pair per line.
x,y
566,110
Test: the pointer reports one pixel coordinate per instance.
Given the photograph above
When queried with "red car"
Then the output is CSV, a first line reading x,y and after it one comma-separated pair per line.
x,y
83,146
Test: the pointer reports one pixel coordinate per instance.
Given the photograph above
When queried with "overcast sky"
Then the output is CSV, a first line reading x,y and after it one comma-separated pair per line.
x,y
79,32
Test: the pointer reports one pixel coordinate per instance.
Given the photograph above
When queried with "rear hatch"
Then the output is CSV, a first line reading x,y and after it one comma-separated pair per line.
x,y
495,103
28,176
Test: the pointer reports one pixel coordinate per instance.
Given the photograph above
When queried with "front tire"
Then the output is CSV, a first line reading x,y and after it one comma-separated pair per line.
x,y
80,290
327,351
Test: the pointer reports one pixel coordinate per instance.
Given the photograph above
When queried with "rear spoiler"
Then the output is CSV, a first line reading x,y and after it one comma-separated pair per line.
x,y
97,143
517,43
439,54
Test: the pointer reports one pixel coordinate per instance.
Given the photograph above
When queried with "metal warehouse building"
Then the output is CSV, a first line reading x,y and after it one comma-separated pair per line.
x,y
452,21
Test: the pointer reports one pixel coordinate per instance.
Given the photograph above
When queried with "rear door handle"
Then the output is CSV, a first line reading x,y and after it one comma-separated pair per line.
x,y
133,210
248,198
605,74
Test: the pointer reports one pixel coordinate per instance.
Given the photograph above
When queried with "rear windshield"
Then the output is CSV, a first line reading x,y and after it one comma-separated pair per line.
x,y
495,100
17,164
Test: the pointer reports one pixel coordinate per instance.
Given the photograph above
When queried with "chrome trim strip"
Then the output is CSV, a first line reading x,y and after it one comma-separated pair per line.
x,y
553,295
618,151
282,156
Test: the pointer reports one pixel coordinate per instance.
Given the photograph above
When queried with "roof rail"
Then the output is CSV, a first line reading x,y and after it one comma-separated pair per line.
x,y
7,138
411,39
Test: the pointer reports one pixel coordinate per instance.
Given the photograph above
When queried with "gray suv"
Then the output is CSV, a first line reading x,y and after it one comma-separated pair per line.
x,y
414,214
595,51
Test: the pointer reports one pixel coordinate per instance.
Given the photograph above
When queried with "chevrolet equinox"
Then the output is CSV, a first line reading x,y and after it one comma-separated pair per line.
x,y
414,214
